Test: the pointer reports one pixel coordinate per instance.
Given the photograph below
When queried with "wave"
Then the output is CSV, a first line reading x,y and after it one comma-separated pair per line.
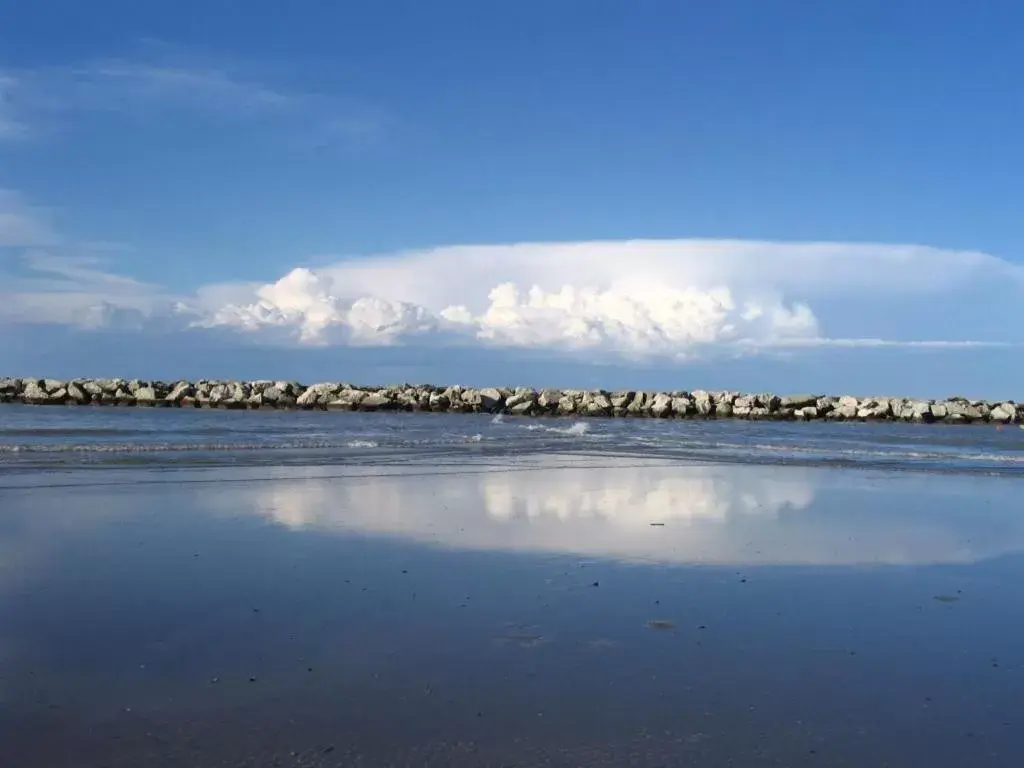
x,y
184,447
576,429
888,454
69,432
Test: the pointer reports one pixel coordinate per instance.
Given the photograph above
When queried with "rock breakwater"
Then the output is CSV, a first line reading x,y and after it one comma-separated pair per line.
x,y
514,401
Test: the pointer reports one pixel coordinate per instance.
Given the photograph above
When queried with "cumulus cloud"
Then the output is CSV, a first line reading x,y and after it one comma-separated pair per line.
x,y
634,298
659,300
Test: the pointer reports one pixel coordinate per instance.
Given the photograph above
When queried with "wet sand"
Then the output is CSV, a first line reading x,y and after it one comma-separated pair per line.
x,y
638,613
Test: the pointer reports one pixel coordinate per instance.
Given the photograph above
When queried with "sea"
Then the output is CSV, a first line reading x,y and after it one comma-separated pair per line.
x,y
204,588
34,438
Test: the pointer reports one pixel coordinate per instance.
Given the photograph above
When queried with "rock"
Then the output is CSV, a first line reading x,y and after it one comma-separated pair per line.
x,y
548,400
920,410
491,400
744,403
521,401
77,394
317,394
521,408
621,399
180,391
798,401
703,402
375,401
661,406
638,404
874,410
1004,413
33,393
594,404
682,406
845,411
439,402
145,396
519,397
960,410
826,404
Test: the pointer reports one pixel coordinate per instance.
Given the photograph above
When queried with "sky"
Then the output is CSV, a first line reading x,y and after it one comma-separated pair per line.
x,y
748,194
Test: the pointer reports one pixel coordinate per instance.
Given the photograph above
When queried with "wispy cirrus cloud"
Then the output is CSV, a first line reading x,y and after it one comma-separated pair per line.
x,y
48,278
11,126
166,81
21,224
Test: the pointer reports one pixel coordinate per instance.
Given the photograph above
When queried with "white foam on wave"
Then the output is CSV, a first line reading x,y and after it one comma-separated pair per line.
x,y
576,429
579,428
474,438
499,419
362,444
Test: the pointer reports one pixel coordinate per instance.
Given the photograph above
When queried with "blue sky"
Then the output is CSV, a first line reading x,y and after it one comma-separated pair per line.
x,y
756,195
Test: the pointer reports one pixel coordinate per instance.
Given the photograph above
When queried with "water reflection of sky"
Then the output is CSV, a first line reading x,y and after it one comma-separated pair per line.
x,y
660,512
402,611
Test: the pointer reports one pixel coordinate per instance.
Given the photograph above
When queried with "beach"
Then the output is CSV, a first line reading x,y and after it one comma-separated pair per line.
x,y
578,604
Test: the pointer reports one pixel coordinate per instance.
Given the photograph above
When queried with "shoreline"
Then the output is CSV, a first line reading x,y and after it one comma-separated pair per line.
x,y
512,401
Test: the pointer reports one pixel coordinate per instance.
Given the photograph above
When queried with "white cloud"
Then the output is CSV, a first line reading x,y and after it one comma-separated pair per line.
x,y
636,298
673,299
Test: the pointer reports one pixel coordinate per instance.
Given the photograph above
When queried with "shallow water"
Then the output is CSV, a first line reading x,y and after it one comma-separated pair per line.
x,y
70,437
545,609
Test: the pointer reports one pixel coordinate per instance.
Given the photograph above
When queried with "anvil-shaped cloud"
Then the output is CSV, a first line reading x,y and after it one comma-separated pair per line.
x,y
635,298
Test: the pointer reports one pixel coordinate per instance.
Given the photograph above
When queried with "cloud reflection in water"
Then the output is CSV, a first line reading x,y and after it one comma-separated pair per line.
x,y
660,513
